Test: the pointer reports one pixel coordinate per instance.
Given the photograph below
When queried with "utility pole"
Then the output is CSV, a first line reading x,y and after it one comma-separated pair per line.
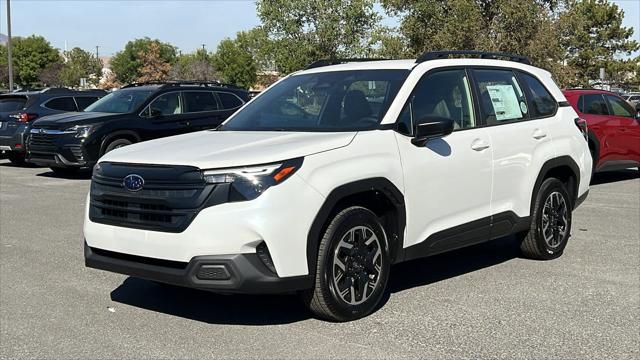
x,y
97,46
204,53
9,56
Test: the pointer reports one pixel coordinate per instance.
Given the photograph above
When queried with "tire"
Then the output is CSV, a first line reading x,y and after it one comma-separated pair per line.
x,y
350,282
16,158
117,143
64,171
550,227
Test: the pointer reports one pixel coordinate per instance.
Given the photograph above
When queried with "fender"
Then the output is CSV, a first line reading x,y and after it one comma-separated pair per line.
x,y
591,135
380,184
550,165
116,134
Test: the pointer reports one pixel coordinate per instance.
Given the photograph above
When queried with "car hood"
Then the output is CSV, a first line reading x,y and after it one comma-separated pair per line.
x,y
68,119
221,149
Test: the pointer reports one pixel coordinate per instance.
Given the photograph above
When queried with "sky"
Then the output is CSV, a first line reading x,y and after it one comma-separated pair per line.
x,y
186,24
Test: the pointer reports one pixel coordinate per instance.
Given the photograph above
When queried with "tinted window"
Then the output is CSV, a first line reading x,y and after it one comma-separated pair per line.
x,y
62,103
619,107
593,104
12,103
164,105
501,98
120,101
541,103
229,101
443,94
199,101
84,101
325,101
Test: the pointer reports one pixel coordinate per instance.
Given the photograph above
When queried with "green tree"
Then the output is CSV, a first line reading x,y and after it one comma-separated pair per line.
x,y
126,64
80,64
301,31
596,39
235,61
31,55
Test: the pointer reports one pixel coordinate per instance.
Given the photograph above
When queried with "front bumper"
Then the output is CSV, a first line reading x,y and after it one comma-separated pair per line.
x,y
57,149
238,273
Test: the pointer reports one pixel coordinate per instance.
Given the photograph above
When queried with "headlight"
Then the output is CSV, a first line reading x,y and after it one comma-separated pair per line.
x,y
82,131
247,183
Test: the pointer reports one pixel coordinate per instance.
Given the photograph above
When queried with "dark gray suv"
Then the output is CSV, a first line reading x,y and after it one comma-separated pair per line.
x,y
19,109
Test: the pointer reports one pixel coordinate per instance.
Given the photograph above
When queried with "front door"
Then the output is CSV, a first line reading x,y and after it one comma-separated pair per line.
x,y
626,140
448,180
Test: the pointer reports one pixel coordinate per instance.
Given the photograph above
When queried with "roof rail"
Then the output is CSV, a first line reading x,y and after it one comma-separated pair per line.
x,y
327,62
56,90
435,55
169,83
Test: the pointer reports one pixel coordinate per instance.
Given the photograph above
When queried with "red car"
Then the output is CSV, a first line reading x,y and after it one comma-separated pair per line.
x,y
613,128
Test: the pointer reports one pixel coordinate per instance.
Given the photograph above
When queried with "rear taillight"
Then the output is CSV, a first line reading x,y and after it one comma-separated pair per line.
x,y
24,117
582,125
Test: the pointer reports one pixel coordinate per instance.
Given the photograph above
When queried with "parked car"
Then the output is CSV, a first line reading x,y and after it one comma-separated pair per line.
x,y
632,98
613,128
19,109
326,179
135,113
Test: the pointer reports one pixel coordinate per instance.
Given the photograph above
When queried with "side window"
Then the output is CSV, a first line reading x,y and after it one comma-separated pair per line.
x,y
444,94
62,103
164,105
197,101
501,98
619,107
541,103
84,101
594,104
229,101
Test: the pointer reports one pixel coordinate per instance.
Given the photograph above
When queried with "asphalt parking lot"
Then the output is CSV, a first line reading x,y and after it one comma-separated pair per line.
x,y
479,302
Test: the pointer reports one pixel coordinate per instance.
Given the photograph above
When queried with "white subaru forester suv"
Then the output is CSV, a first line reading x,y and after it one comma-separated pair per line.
x,y
335,173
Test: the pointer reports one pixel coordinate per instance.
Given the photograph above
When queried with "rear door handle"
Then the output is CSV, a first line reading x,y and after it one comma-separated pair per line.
x,y
479,145
539,134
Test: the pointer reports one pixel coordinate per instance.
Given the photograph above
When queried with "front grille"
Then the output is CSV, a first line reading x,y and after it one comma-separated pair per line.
x,y
171,197
42,142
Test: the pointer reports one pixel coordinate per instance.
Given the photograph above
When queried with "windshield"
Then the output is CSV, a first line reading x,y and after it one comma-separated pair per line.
x,y
328,101
120,101
13,103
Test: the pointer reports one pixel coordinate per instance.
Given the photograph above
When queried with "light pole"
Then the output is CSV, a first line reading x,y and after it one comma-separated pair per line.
x,y
204,53
9,56
97,46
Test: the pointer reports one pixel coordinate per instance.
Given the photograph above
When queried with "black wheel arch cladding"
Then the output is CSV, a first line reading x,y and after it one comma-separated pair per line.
x,y
378,185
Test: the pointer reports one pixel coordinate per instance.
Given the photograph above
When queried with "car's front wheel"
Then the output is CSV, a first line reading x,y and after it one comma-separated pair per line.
x,y
352,267
550,222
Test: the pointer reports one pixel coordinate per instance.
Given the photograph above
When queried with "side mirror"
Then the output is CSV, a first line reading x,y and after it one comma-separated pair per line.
x,y
431,127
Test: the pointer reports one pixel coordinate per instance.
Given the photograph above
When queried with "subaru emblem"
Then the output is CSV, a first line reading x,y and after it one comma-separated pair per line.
x,y
42,131
133,182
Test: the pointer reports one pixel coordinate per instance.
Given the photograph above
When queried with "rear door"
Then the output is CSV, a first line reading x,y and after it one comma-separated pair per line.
x,y
202,110
62,103
519,133
625,140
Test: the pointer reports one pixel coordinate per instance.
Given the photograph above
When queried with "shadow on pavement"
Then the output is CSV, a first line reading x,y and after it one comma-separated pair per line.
x,y
283,309
614,176
79,175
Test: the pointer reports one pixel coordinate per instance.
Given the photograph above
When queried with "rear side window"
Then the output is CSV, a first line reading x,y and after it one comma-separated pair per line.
x,y
593,104
84,101
501,98
619,107
197,101
541,103
62,103
229,101
12,103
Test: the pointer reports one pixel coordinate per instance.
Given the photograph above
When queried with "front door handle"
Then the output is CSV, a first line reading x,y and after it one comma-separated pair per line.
x,y
479,145
539,134
184,123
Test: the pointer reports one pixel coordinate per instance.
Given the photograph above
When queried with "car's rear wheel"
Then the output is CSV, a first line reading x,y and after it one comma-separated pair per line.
x,y
352,267
116,144
16,158
550,222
